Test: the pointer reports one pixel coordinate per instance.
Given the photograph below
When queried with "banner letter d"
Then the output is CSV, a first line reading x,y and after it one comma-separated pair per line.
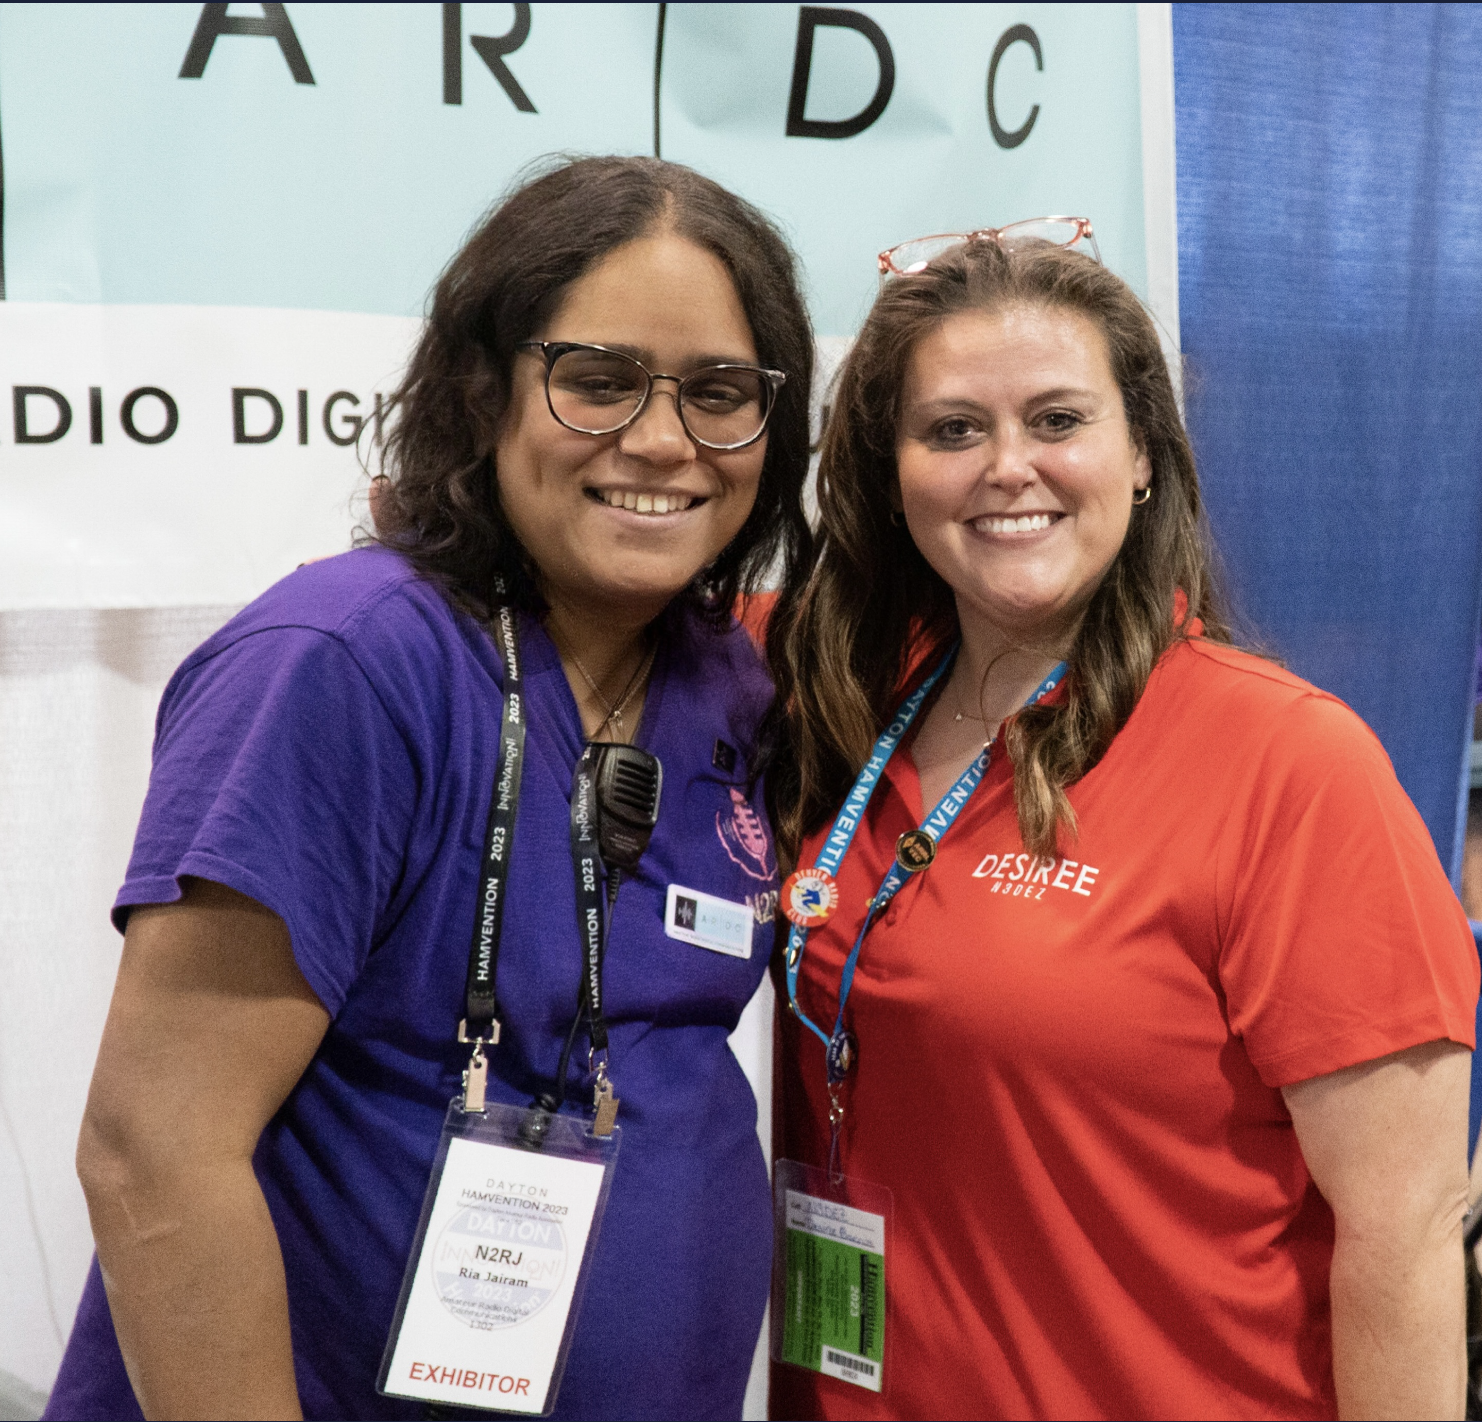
x,y
810,17
240,396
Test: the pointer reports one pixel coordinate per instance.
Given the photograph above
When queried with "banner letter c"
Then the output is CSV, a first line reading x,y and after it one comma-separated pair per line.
x,y
1013,35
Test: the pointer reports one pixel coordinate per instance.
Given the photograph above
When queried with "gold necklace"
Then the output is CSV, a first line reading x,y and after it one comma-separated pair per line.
x,y
968,716
614,717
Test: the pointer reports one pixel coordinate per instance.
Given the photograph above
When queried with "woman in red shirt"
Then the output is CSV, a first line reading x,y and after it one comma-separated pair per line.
x,y
1131,1005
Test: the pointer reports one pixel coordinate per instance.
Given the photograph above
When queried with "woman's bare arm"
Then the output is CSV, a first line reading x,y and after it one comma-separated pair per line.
x,y
1386,1145
210,1027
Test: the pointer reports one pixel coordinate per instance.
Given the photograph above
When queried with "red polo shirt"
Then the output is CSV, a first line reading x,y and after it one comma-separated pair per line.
x,y
1069,1071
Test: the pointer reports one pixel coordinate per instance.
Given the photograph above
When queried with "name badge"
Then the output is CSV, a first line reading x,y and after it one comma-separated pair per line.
x,y
708,922
497,1269
828,1274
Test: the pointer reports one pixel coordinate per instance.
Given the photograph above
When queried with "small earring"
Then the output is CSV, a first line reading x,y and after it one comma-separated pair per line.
x,y
898,518
1146,493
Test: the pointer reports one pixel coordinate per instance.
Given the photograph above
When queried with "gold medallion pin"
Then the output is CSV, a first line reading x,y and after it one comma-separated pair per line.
x,y
915,850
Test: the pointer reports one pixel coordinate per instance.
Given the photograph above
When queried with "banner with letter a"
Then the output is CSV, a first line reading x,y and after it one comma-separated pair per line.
x,y
219,223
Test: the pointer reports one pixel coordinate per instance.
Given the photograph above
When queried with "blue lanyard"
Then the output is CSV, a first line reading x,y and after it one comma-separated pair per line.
x,y
839,1045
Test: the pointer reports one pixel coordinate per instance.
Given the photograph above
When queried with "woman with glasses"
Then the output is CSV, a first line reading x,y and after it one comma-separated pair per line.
x,y
599,445
1131,1005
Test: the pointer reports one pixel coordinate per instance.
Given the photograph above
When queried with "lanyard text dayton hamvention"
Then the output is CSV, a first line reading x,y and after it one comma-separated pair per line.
x,y
810,895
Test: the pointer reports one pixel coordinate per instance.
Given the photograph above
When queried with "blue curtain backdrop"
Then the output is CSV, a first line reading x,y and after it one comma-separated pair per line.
x,y
1330,295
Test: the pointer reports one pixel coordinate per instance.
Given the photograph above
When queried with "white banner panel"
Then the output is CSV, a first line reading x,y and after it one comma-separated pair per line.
x,y
220,222
170,454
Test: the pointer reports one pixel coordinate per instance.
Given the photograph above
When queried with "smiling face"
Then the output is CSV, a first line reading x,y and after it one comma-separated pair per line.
x,y
1017,466
622,523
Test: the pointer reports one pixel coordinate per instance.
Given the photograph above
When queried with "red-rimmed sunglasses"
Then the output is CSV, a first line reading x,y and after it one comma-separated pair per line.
x,y
909,258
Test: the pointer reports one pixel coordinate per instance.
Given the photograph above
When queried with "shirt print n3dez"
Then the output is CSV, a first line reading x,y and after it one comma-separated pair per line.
x,y
1024,876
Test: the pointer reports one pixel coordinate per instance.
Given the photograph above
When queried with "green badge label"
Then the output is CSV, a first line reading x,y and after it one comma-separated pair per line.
x,y
835,1298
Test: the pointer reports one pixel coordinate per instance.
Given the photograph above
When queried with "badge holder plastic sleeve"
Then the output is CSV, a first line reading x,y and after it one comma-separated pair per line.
x,y
832,1245
491,1296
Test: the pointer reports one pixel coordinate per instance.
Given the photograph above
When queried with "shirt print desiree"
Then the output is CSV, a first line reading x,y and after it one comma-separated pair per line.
x,y
1029,877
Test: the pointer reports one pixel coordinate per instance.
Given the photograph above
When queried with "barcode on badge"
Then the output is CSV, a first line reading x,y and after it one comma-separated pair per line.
x,y
849,1367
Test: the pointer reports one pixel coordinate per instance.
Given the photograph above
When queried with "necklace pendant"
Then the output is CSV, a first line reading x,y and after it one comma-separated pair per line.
x,y
958,716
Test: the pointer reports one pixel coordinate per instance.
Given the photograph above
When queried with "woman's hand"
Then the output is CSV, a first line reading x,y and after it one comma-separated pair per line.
x,y
210,1027
1386,1144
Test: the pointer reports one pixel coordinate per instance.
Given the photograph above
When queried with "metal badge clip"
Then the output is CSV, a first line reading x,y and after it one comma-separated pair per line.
x,y
492,1039
475,1079
605,1101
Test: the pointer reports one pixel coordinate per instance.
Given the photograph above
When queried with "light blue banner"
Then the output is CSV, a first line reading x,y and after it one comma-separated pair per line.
x,y
333,159
930,162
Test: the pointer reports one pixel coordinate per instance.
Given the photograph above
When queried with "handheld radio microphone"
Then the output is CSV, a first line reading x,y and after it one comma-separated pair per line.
x,y
629,782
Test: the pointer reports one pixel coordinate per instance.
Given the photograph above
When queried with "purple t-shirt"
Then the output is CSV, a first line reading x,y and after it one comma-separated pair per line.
x,y
331,753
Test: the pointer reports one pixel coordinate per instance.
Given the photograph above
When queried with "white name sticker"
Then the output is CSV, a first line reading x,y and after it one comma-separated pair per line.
x,y
487,1310
708,922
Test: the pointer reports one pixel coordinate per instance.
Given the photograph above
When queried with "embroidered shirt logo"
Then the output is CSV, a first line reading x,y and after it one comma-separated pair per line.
x,y
763,905
744,837
1023,876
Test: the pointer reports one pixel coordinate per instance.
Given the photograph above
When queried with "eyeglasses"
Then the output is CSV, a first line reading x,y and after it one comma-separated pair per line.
x,y
597,391
909,258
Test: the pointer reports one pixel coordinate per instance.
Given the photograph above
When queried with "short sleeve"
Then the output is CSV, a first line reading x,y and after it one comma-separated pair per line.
x,y
1341,939
279,773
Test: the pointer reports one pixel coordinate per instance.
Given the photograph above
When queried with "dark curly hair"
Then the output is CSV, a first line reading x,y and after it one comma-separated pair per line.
x,y
441,508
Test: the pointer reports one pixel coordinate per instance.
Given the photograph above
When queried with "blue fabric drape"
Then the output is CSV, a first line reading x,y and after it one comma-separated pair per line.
x,y
1330,293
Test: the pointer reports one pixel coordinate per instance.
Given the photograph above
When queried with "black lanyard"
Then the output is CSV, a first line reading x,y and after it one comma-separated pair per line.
x,y
481,1022
480,1005
586,861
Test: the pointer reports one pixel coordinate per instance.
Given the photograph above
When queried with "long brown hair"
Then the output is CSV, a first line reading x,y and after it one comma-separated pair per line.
x,y
442,508
847,634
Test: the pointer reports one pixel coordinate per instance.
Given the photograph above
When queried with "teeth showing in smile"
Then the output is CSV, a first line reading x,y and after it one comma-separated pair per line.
x,y
644,503
1029,523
